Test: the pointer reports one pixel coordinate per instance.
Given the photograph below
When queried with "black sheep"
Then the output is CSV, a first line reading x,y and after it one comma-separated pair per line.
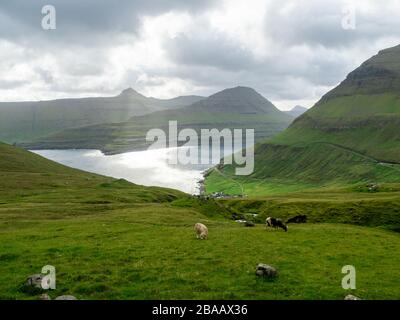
x,y
275,223
298,219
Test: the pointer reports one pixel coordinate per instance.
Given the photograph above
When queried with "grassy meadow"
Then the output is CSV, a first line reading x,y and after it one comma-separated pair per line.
x,y
110,239
150,252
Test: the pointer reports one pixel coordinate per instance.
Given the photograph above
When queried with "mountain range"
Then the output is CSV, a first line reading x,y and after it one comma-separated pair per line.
x,y
21,121
239,107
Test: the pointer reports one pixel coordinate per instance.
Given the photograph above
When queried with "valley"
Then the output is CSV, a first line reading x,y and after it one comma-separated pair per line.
x,y
110,239
209,157
337,163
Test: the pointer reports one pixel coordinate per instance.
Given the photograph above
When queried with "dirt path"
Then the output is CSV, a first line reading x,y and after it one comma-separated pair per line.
x,y
230,178
391,165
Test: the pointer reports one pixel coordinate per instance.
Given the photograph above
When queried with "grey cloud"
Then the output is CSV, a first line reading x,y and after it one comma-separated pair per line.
x,y
84,22
45,75
287,72
222,63
320,23
209,49
11,84
309,50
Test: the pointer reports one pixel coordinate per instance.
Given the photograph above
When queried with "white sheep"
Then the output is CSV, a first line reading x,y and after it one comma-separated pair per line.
x,y
201,231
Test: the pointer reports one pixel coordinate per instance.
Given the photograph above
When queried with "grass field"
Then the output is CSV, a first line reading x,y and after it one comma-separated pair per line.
x,y
150,252
110,239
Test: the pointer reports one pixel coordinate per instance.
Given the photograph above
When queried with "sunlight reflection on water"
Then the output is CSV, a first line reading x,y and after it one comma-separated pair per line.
x,y
149,168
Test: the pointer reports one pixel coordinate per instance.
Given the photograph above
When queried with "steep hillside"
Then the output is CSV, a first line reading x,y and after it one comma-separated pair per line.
x,y
238,107
21,121
362,113
351,136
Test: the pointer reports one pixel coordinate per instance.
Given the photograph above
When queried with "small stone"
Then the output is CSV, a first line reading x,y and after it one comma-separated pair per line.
x,y
249,224
35,281
66,297
351,297
44,296
264,270
32,285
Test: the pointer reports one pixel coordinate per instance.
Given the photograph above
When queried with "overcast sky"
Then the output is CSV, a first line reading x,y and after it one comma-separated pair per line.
x,y
290,51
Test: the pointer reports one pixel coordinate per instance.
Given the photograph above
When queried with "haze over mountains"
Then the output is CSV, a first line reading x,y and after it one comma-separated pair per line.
x,y
21,121
296,111
239,107
351,136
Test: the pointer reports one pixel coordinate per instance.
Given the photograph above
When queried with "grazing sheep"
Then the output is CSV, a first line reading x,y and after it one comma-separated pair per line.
x,y
275,223
201,231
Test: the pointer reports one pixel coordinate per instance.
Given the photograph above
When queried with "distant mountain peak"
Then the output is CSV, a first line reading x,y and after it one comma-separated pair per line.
x,y
237,100
296,111
238,90
298,107
129,92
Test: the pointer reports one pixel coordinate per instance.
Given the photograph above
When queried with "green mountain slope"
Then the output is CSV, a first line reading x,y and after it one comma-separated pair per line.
x,y
238,107
351,136
21,121
362,113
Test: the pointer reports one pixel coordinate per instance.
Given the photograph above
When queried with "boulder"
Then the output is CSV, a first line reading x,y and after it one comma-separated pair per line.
x,y
237,216
44,296
66,297
264,270
249,224
32,285
35,281
351,297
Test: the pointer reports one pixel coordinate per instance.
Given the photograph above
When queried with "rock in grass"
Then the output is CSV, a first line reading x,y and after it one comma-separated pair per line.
x,y
34,280
351,297
44,296
249,224
66,297
32,284
264,270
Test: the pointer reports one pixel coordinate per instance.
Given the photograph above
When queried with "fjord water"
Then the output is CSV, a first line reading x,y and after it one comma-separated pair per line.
x,y
149,168
152,167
